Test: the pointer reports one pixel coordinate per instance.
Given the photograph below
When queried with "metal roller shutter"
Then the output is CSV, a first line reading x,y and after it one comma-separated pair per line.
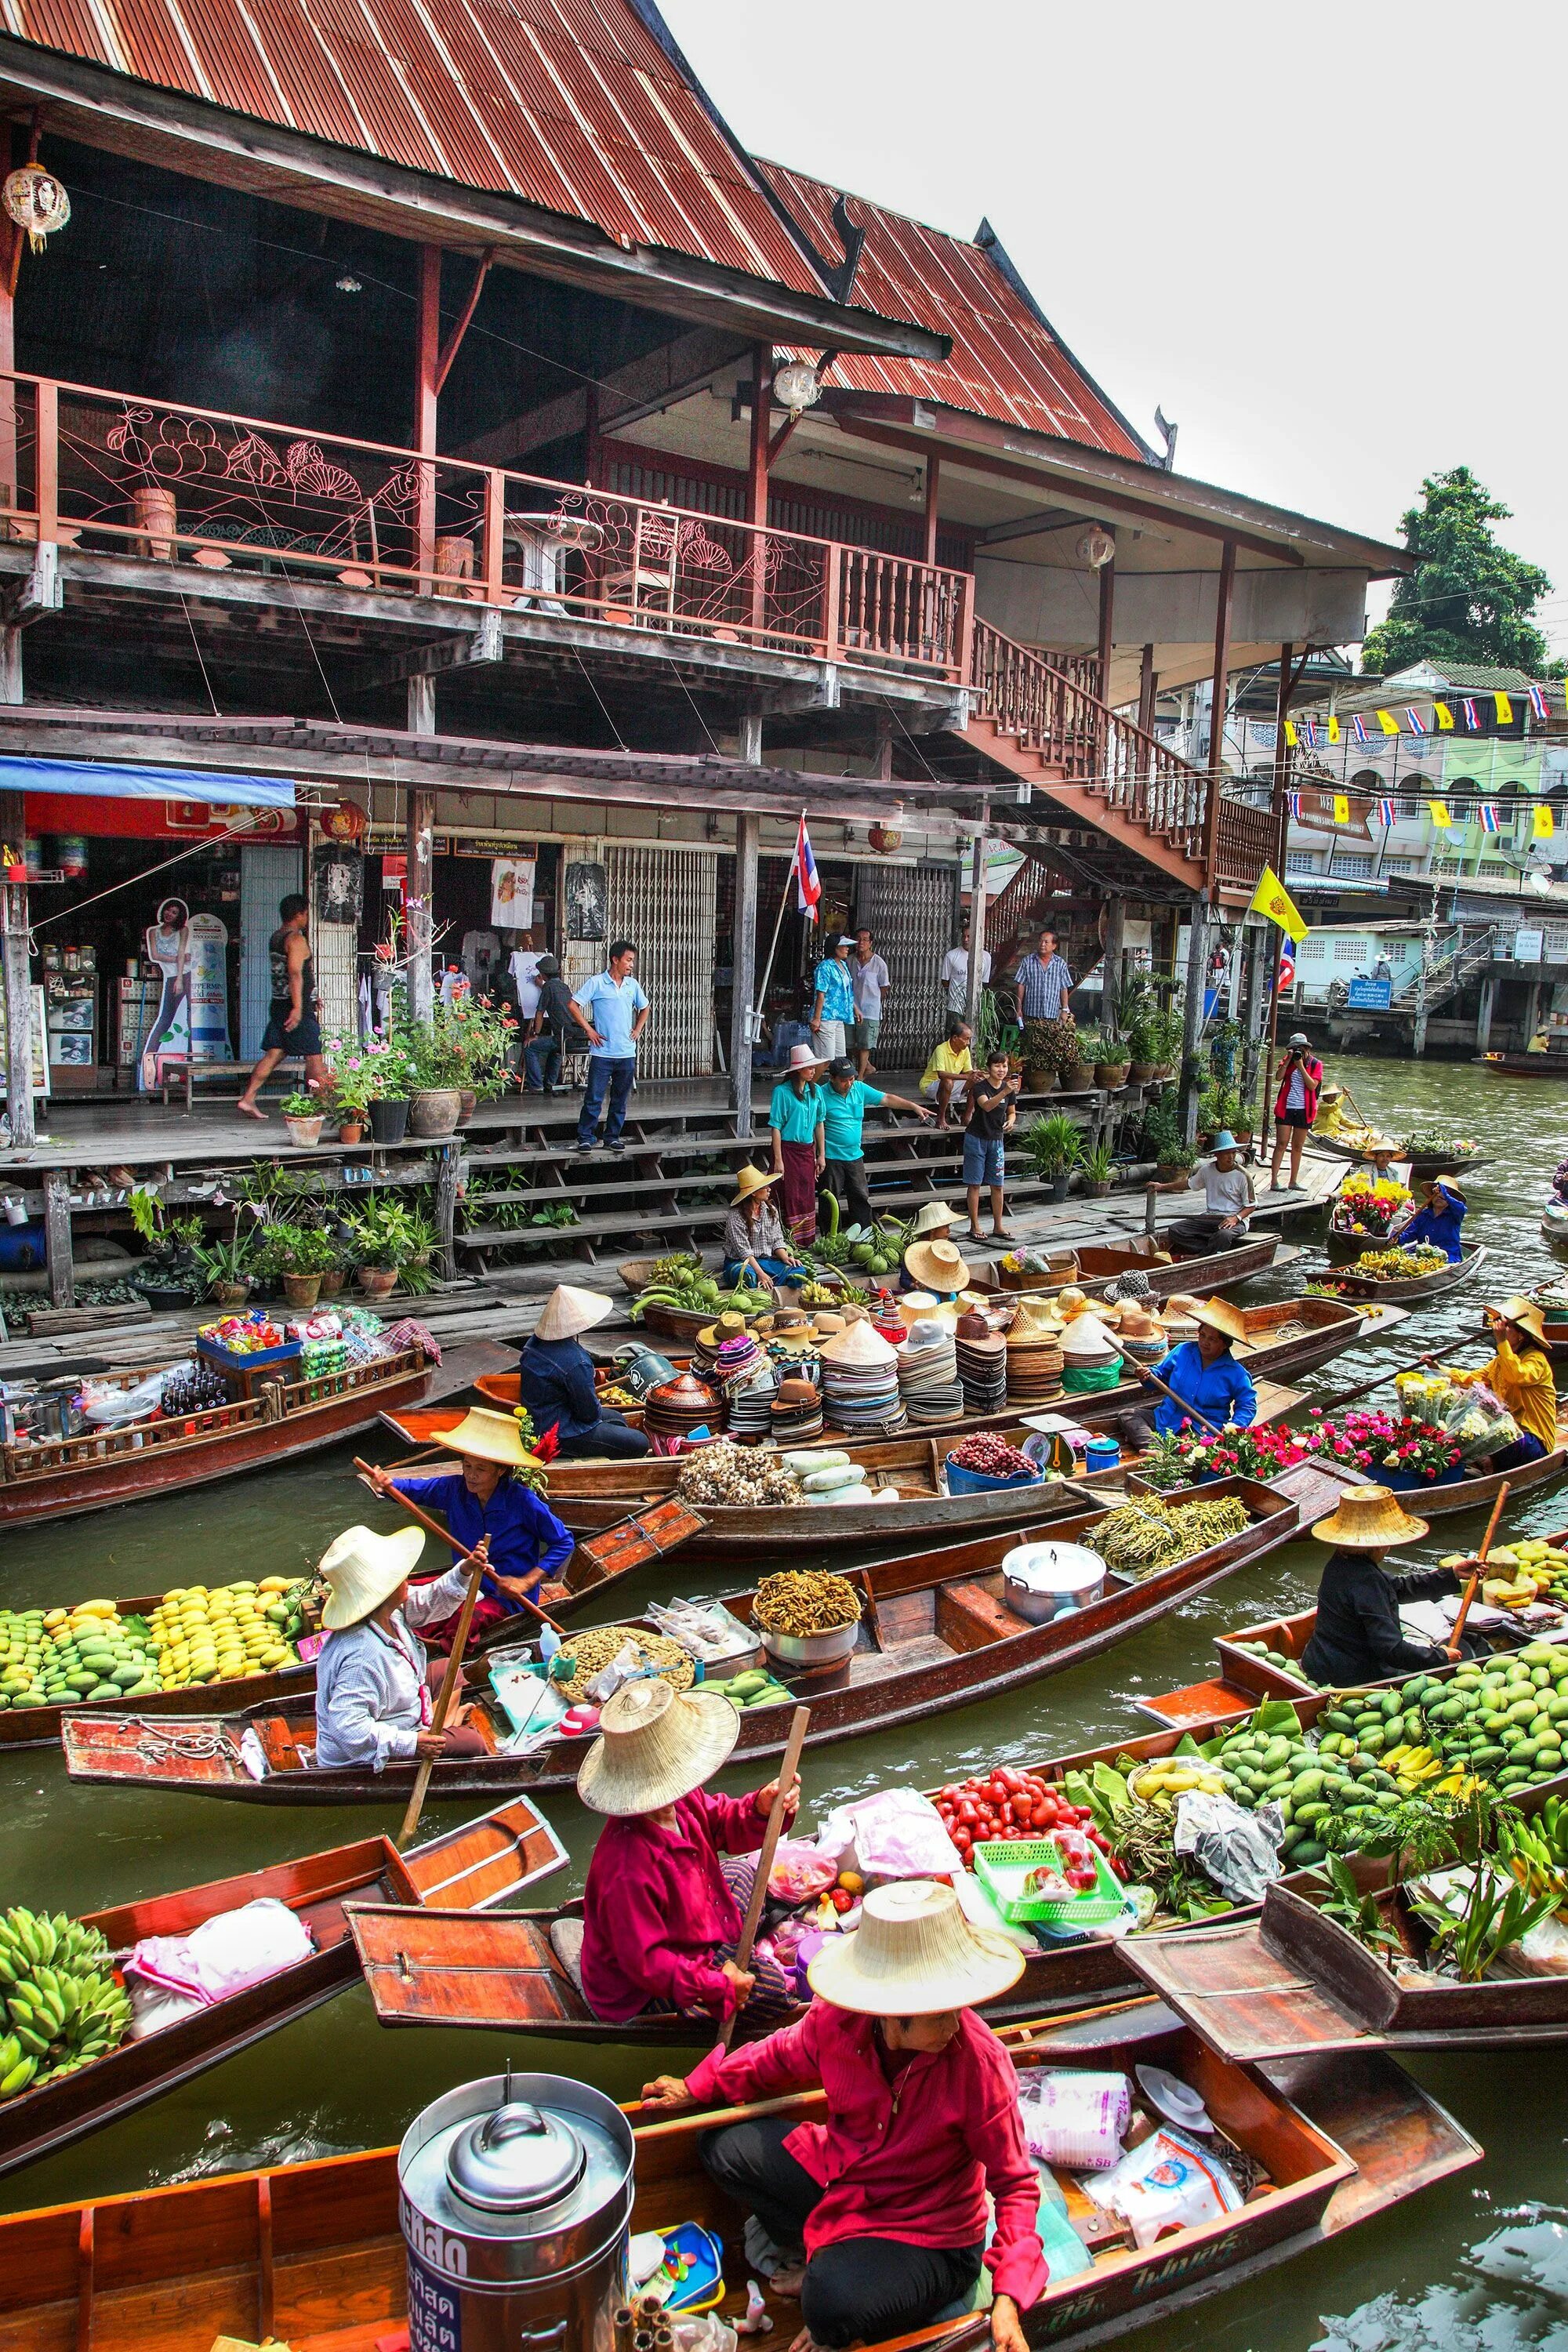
x,y
664,900
909,910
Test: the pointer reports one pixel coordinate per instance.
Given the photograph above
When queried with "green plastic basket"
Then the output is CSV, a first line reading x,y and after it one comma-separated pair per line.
x,y
1003,1868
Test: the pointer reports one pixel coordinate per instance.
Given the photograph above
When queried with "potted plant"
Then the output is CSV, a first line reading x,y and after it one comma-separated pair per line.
x,y
293,1258
1165,1037
1099,1169
386,1237
1055,1144
483,1034
352,1075
1111,1062
436,1100
304,1115
1142,1036
174,1275
228,1267
1038,1052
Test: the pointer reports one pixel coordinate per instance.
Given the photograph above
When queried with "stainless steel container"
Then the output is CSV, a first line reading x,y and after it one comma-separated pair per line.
x,y
1044,1581
514,2200
811,1649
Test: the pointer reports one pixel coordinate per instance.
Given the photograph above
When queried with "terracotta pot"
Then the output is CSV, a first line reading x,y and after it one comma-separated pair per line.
x,y
433,1112
469,1101
1111,1074
302,1290
378,1281
1164,1070
350,1131
1142,1072
1168,1172
305,1131
1038,1079
331,1284
1097,1191
231,1293
1077,1077
389,1119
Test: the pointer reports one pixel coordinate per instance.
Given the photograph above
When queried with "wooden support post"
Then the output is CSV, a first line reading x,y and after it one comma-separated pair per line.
x,y
1147,687
58,1236
744,961
933,489
451,1169
1193,1016
426,400
10,239
1110,974
976,928
1484,1013
419,906
1288,682
757,476
17,977
1107,627
1223,604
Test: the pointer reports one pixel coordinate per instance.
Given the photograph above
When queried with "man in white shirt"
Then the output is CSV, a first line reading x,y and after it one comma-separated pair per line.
x,y
869,978
1227,1188
524,968
955,975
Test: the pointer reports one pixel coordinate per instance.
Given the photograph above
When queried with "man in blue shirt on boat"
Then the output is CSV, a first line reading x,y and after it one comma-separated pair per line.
x,y
487,1496
1203,1376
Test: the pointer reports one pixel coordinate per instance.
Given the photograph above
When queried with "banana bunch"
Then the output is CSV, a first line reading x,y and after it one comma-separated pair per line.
x,y
1412,1767
59,1997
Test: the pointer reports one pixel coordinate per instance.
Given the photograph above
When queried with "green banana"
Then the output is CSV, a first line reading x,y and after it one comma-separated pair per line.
x,y
20,2076
36,2043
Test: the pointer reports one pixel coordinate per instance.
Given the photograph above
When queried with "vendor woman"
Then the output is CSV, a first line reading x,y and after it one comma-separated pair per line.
x,y
661,1908
795,1125
1519,1377
1358,1637
374,1706
1438,1221
879,2208
754,1244
555,1380
528,1543
1203,1376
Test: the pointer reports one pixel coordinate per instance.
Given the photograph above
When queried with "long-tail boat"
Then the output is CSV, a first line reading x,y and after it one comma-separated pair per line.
x,y
486,1862
1404,1290
935,1632
311,2254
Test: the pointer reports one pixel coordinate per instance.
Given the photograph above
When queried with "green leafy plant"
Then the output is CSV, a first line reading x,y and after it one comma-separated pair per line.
x,y
283,1248
1037,1046
1099,1165
170,1242
385,1234
1359,1914
482,1034
228,1265
302,1104
1092,1046
1055,1144
1163,1141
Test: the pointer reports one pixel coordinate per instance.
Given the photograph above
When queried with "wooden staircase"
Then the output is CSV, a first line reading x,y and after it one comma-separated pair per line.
x,y
1046,728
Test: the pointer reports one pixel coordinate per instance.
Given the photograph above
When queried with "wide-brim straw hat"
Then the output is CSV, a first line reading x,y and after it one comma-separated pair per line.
x,y
1454,1184
1369,1519
1375,1143
859,1344
934,1214
363,1569
801,1058
750,1180
936,1265
1220,1315
1036,1318
914,1954
490,1437
569,1310
1526,1314
655,1744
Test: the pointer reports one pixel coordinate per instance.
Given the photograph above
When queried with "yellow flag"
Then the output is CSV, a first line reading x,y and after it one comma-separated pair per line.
x,y
1504,709
1291,737
1333,728
1438,811
1342,808
1445,717
1271,898
1387,721
1541,827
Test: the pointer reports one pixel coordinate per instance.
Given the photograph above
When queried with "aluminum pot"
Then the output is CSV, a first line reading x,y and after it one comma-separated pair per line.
x,y
811,1649
1043,1581
514,2201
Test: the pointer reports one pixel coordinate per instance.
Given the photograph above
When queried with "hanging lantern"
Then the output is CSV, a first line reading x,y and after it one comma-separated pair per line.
x,y
795,387
1096,547
344,822
884,839
37,202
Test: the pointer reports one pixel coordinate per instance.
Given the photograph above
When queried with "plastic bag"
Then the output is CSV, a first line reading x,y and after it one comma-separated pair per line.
x,y
110,1408
1167,2181
894,1834
226,1953
1477,1423
1075,2119
800,1872
706,1628
706,2332
1240,1852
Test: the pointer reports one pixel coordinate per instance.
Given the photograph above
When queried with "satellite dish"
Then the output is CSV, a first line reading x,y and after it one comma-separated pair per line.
x,y
1542,885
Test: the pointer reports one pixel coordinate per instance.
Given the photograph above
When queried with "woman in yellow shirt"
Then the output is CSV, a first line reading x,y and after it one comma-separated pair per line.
x,y
1519,1377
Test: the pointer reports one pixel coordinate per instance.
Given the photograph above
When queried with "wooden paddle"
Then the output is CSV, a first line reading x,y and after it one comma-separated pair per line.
x,y
1472,1582
789,1773
450,1683
380,1484
1182,1401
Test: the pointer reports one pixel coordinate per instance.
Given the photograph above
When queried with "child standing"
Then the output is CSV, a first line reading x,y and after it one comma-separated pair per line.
x,y
990,1114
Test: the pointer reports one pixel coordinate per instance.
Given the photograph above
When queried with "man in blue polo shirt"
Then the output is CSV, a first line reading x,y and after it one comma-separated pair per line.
x,y
613,1010
845,1102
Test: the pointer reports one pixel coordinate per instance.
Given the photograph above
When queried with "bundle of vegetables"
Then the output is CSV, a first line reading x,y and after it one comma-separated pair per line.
x,y
1142,1537
733,1474
1399,1264
803,1601
61,2002
700,1294
1004,1806
1432,1143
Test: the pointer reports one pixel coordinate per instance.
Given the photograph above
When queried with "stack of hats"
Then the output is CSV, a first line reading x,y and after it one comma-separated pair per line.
x,y
751,1403
1033,1355
738,1356
1091,1360
1141,1336
982,1358
796,1413
937,1266
1180,1321
928,1373
679,1406
860,1382
710,1341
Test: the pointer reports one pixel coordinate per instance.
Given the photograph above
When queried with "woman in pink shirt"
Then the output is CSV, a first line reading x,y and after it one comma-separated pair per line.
x,y
879,2209
661,1909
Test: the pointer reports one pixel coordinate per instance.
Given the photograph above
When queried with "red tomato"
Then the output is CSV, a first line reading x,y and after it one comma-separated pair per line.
x,y
842,1899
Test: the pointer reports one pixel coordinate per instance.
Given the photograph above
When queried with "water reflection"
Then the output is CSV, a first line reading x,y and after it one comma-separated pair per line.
x,y
1521,2299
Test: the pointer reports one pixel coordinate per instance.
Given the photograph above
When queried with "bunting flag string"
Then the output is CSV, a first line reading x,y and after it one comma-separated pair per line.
x,y
1445,717
1386,811
1544,824
1358,726
1408,720
1439,812
1417,724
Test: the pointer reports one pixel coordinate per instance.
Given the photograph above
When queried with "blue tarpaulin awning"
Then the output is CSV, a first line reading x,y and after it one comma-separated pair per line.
x,y
101,780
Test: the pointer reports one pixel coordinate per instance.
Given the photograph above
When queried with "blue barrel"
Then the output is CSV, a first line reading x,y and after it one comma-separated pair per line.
x,y
1102,1453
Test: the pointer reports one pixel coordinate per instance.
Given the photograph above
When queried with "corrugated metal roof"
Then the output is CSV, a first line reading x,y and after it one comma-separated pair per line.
x,y
1006,362
575,106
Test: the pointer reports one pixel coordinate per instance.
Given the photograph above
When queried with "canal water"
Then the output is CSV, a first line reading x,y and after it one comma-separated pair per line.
x,y
1480,2265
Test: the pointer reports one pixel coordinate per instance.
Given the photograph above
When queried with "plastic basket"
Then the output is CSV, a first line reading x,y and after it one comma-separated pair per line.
x,y
1004,1867
702,2289
250,1360
961,1481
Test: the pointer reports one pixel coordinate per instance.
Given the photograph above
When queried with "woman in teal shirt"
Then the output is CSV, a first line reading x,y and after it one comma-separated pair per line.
x,y
794,1122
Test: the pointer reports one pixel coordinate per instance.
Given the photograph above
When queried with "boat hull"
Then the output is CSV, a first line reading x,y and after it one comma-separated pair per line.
x,y
1436,1285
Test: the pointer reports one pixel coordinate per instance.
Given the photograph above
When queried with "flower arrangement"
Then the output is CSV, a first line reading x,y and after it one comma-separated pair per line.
x,y
482,1034
1379,1444
1432,1143
1239,1453
1369,1207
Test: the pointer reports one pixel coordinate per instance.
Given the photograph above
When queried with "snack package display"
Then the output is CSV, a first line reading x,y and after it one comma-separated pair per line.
x,y
1167,2181
1075,2119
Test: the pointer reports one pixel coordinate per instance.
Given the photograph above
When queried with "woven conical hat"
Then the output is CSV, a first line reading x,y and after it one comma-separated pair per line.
x,y
1035,1319
859,1344
1086,1335
569,1309
913,1955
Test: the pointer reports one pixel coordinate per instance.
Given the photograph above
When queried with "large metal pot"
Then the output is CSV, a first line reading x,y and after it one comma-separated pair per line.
x,y
1042,1580
811,1649
515,2198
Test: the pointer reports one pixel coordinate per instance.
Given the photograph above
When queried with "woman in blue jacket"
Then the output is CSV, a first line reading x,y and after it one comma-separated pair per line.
x,y
555,1380
1205,1377
1438,1219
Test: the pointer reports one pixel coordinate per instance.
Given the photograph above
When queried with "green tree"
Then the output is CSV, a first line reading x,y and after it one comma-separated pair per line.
x,y
1468,598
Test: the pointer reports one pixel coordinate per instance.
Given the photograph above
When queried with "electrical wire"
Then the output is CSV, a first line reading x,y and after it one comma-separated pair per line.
x,y
133,881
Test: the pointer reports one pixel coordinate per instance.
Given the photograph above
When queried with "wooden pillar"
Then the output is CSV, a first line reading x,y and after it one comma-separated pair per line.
x,y
1484,1013
934,486
1216,707
1115,923
419,908
8,462
744,965
450,1173
1107,621
58,1237
977,926
17,977
757,474
1281,833
1147,687
426,397
1193,1015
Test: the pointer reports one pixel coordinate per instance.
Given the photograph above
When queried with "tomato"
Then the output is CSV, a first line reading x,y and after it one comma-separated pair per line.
x,y
842,1899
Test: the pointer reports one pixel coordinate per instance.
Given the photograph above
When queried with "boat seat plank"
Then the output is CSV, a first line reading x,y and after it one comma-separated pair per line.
x,y
970,1616
904,1617
1199,1702
448,1967
874,1665
1248,2000
474,1867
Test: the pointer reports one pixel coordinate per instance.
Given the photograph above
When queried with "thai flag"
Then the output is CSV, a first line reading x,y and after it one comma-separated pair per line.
x,y
1417,724
1312,734
1386,811
1296,806
1287,967
1359,728
1538,703
808,881
1489,817
1471,720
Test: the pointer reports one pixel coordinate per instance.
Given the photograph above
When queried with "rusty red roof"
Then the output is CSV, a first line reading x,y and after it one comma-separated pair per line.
x,y
1007,363
585,108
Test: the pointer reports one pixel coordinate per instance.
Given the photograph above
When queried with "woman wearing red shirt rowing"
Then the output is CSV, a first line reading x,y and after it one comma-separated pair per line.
x,y
879,2209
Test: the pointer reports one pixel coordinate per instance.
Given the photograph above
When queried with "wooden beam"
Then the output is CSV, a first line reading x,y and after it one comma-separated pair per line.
x,y
1106,625
743,966
1219,690
761,413
426,400
454,341
1148,690
16,978
470,648
933,490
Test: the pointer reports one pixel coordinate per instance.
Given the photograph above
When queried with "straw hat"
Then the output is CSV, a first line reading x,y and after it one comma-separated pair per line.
x,y
1368,1519
1086,1335
859,1344
1038,1317
801,1058
490,1437
913,1955
569,1310
936,1265
933,1217
1454,1184
1220,1315
1376,1143
655,1744
1526,1314
749,1181
363,1569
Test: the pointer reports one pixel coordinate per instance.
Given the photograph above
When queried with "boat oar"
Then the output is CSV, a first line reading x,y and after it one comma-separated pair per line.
x,y
450,1683
789,1772
1156,1384
1472,1582
380,1485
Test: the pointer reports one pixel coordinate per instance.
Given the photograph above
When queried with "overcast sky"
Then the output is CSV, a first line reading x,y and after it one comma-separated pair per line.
x,y
1322,242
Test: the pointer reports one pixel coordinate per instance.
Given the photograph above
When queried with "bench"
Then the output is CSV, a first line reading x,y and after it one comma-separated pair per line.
x,y
179,1068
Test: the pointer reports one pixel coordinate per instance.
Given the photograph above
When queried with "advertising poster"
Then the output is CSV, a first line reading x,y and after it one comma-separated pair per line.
x,y
191,1020
512,893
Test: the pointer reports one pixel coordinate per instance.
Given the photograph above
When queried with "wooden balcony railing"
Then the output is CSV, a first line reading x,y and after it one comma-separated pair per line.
x,y
167,484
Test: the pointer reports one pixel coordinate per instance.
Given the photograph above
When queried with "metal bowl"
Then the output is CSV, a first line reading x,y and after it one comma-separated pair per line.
x,y
811,1649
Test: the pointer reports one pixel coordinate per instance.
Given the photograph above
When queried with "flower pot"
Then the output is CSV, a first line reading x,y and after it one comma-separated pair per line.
x,y
433,1112
1111,1074
164,1295
1242,1136
231,1293
468,1101
305,1132
1097,1191
350,1131
389,1119
331,1284
1038,1079
1142,1072
378,1281
1077,1077
1168,1171
1060,1185
1164,1070
302,1290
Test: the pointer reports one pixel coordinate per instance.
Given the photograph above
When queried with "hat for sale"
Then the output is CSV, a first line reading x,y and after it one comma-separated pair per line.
x,y
914,1954
936,1265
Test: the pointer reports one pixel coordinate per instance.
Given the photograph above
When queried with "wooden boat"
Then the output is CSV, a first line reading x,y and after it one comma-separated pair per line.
x,y
58,1478
1096,1264
1417,1287
1524,1065
1293,1980
935,1632
485,1862
311,2253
